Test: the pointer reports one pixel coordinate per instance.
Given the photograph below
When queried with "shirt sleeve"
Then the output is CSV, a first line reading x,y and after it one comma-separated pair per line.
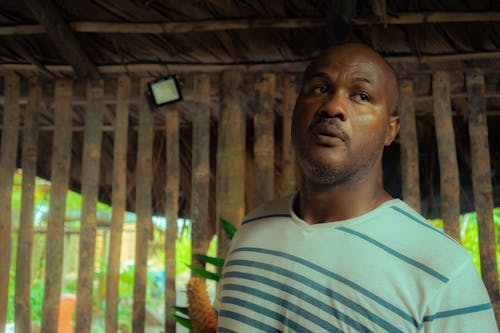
x,y
461,305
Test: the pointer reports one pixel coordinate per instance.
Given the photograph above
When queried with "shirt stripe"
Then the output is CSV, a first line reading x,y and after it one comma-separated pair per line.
x,y
336,277
460,311
301,312
419,221
249,321
259,309
265,217
312,300
221,329
397,254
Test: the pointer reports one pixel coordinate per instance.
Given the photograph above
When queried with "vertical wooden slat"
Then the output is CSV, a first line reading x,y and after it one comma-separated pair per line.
x,y
200,179
90,187
25,236
118,200
264,139
450,188
481,183
143,208
171,207
8,157
288,153
231,155
409,147
61,158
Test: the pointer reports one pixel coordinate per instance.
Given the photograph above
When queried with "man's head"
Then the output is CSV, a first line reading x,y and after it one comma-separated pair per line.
x,y
344,115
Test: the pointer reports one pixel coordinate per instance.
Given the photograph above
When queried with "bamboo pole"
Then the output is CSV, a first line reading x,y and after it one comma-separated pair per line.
x,y
171,206
264,139
288,154
8,157
200,183
143,208
245,24
231,155
118,201
278,66
450,187
409,147
25,234
60,180
481,183
91,160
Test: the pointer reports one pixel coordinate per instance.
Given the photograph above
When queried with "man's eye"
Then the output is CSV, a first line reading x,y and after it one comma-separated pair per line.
x,y
323,90
363,97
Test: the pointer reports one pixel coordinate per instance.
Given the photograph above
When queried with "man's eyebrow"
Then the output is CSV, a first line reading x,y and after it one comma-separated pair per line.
x,y
362,79
323,75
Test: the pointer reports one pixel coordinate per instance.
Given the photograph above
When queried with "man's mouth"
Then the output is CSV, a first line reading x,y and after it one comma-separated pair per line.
x,y
328,134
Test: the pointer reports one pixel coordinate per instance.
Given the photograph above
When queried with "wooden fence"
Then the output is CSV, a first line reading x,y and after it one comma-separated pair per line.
x,y
275,96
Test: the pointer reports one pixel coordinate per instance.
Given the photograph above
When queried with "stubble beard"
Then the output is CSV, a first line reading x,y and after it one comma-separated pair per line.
x,y
321,173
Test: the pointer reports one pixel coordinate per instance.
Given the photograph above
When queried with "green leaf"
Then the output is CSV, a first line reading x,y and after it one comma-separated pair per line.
x,y
218,262
186,322
201,272
182,310
229,228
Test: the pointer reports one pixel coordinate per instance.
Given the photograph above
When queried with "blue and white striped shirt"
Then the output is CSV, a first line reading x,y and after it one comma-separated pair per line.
x,y
388,270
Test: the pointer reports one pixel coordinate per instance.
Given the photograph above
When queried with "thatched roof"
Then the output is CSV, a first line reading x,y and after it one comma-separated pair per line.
x,y
108,38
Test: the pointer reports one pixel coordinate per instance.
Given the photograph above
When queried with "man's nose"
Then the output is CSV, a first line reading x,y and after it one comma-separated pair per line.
x,y
335,106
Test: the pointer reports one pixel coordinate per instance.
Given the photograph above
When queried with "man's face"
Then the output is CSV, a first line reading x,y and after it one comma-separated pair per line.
x,y
341,120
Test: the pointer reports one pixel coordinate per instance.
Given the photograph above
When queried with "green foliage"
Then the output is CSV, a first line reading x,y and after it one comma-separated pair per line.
x,y
228,227
201,272
217,262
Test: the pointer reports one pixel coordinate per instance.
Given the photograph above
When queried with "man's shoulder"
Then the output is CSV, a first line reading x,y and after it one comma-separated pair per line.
x,y
276,208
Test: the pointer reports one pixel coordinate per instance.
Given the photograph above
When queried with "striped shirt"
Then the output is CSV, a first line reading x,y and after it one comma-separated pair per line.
x,y
388,270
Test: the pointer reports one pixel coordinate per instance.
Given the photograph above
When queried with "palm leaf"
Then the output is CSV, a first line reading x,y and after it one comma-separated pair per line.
x,y
218,262
201,272
186,322
228,227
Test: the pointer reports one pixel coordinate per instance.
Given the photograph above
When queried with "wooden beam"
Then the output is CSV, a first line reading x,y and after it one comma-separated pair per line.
x,y
379,8
90,187
231,155
264,139
63,38
8,158
118,202
481,184
246,24
143,207
279,66
59,178
25,235
445,135
409,147
200,179
172,186
289,98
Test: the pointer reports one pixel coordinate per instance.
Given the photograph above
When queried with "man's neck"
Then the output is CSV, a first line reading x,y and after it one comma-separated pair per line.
x,y
318,204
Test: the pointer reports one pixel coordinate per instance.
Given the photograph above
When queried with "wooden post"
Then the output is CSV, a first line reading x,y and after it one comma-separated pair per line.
x,y
481,183
171,207
289,98
118,201
8,157
200,183
60,180
25,235
91,160
264,139
409,147
231,155
450,187
143,207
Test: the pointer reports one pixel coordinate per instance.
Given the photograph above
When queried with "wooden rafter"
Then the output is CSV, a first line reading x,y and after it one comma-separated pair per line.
x,y
64,39
379,8
287,66
220,25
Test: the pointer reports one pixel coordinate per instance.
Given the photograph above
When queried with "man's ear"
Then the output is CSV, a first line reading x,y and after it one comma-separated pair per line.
x,y
392,130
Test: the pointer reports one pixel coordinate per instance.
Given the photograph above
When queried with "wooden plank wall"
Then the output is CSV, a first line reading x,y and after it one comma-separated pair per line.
x,y
230,176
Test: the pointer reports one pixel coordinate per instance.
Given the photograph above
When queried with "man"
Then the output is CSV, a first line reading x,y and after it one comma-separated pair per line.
x,y
342,255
